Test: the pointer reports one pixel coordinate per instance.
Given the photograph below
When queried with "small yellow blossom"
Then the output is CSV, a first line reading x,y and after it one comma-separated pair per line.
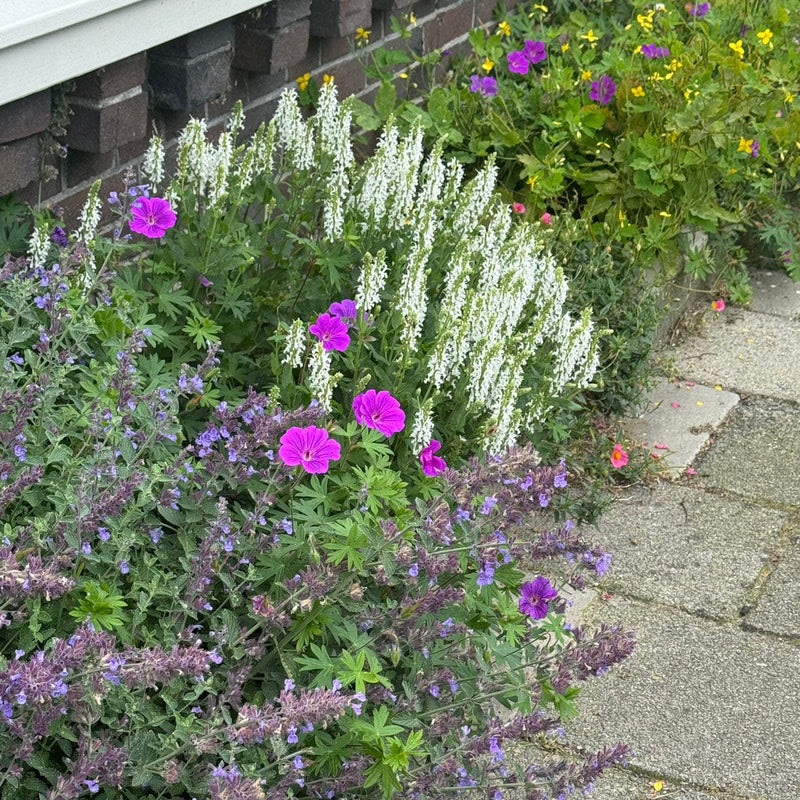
x,y
737,48
412,18
586,75
488,64
541,7
532,180
646,20
362,34
637,91
789,97
674,64
590,37
504,28
658,785
637,50
303,80
733,170
326,79
765,37
565,47
623,217
664,213
404,75
744,145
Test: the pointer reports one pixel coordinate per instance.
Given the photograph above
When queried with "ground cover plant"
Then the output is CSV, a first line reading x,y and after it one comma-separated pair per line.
x,y
319,585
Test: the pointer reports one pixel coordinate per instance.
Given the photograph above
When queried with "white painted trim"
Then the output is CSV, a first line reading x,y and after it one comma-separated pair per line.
x,y
45,42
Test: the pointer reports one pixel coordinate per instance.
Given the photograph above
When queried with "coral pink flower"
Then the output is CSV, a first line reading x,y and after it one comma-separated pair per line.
x,y
310,447
519,208
152,216
534,597
331,331
547,218
379,410
432,465
718,305
619,457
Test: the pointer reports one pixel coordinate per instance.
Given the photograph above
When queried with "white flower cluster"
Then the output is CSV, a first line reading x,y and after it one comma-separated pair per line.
x,y
295,348
293,133
38,245
320,380
421,429
372,279
90,214
153,163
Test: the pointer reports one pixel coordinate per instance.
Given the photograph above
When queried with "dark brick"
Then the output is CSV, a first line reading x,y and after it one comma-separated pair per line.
x,y
349,77
278,13
391,5
19,163
412,42
97,126
259,86
181,84
448,25
309,64
134,150
199,42
114,79
84,166
331,49
483,11
423,8
237,90
171,123
258,50
336,18
25,117
263,112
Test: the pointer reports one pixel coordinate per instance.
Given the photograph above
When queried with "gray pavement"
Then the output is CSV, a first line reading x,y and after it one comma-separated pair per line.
x,y
706,570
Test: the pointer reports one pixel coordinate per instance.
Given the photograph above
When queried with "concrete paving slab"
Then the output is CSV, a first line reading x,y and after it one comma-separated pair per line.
x,y
707,704
778,608
775,293
688,548
744,352
757,452
621,785
682,417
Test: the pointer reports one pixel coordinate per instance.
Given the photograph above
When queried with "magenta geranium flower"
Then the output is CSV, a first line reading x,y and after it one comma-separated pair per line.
x,y
310,447
152,216
344,309
534,597
535,51
331,331
603,89
432,465
518,62
379,410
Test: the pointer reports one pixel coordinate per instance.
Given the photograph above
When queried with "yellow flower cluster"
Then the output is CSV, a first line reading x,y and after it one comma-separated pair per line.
x,y
362,35
744,145
646,20
737,48
637,91
303,80
590,37
765,37
504,28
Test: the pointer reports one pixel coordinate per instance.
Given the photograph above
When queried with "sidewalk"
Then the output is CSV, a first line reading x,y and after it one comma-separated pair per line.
x,y
706,571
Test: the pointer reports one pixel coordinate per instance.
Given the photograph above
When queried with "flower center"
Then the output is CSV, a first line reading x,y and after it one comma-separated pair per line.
x,y
307,454
151,219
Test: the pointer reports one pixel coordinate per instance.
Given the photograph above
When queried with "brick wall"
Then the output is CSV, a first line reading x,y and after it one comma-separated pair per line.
x,y
112,112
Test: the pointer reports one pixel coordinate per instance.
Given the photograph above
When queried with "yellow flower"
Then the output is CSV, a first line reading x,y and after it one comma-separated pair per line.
x,y
665,213
737,48
412,18
303,80
532,180
404,75
504,28
658,785
637,50
789,97
363,34
565,47
646,20
733,170
541,7
637,91
674,64
488,64
586,75
326,79
765,36
744,145
590,37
